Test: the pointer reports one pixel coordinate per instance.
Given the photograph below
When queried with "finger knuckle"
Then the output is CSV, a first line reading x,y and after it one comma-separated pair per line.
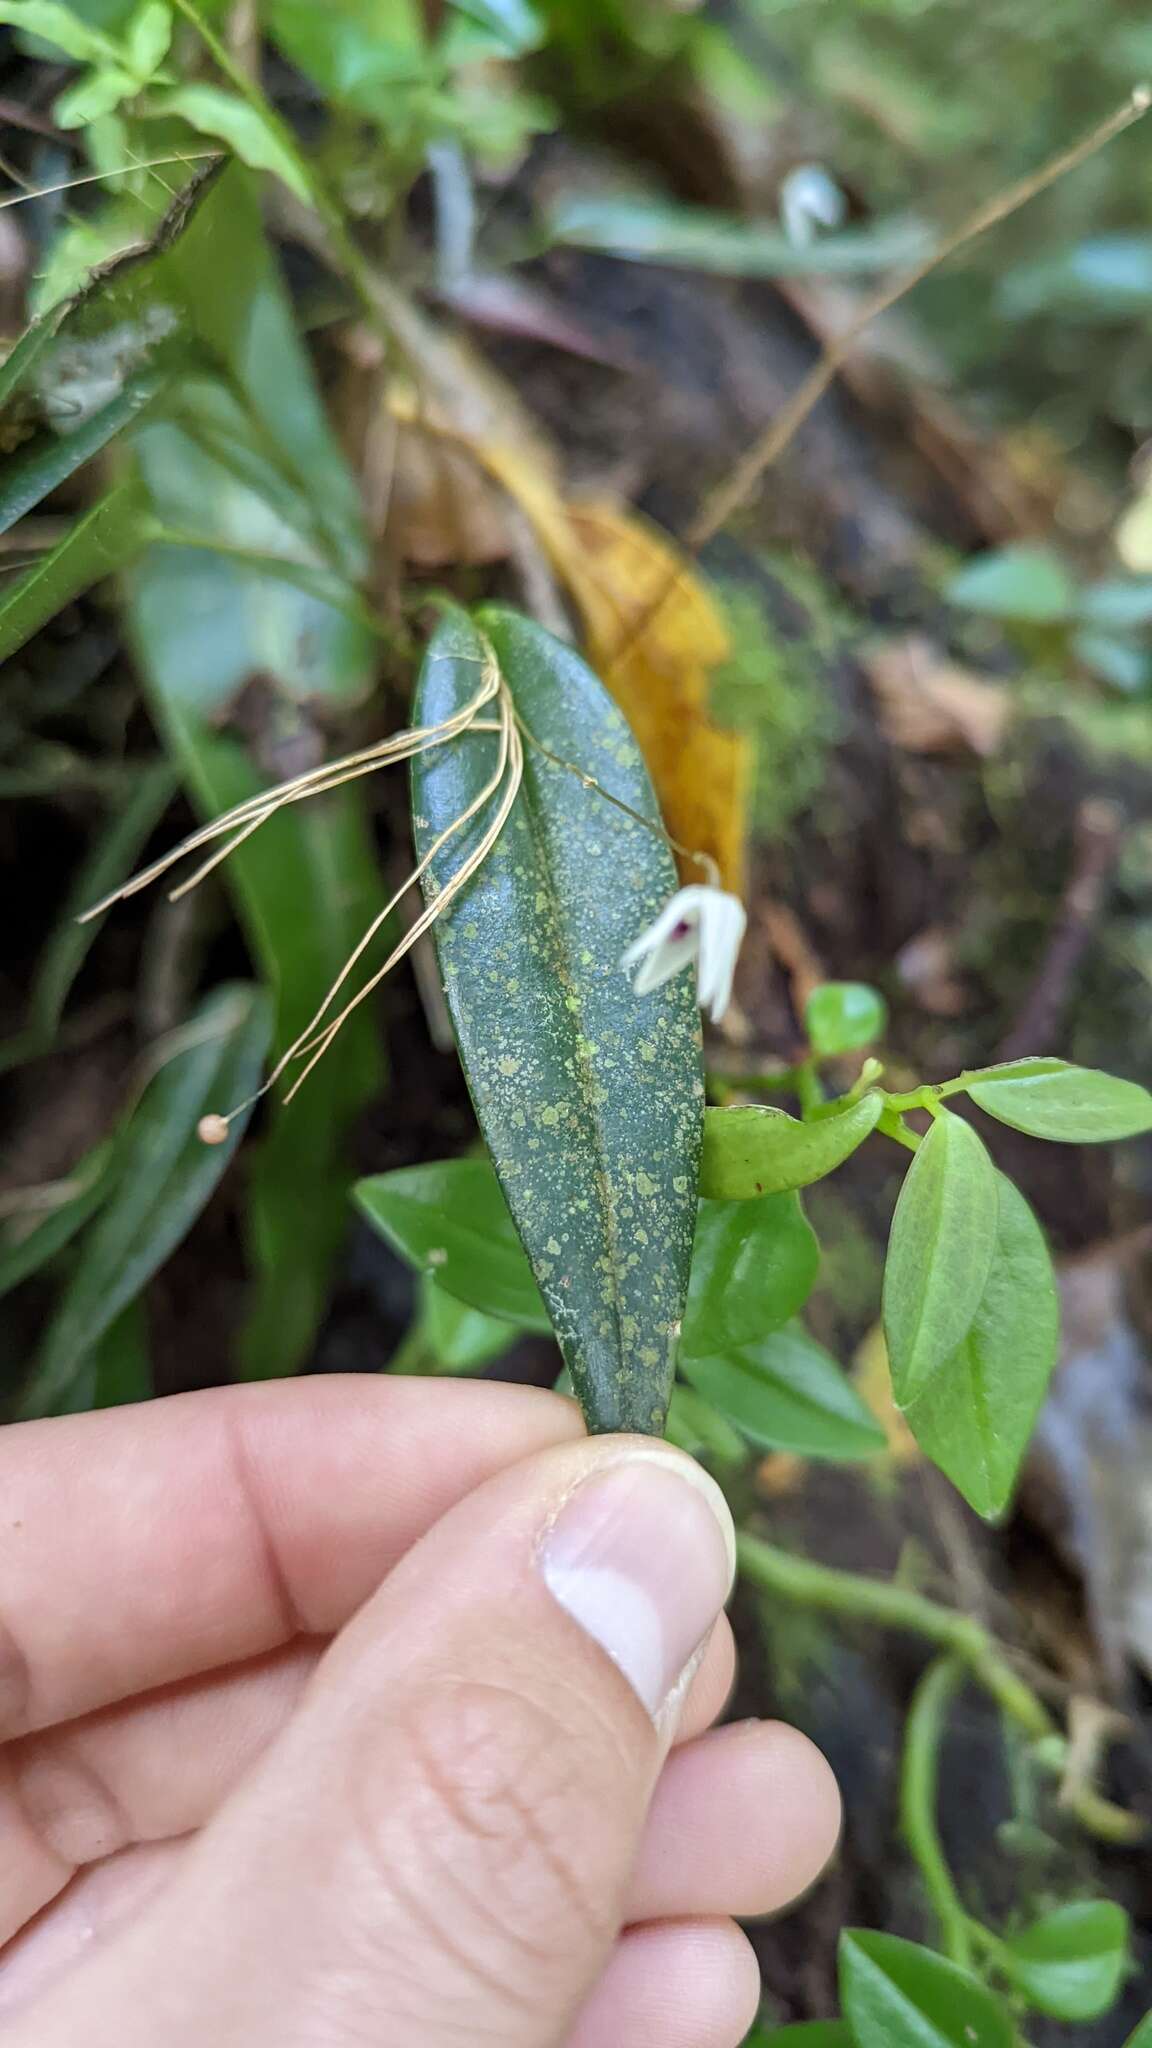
x,y
498,1792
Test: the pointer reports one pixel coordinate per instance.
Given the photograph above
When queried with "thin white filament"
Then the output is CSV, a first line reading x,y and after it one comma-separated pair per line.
x,y
255,810
305,1041
319,1046
97,177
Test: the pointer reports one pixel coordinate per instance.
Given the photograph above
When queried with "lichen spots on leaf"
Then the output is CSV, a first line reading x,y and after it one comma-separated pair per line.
x,y
606,1091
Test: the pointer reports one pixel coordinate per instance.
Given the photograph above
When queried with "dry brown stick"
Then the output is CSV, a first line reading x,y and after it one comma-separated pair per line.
x,y
1099,831
767,449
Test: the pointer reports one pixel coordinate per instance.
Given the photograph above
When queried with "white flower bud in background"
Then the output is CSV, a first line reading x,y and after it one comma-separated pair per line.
x,y
809,199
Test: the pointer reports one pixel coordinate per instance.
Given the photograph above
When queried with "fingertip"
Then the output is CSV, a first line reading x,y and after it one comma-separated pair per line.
x,y
685,1984
711,1687
743,1821
806,1793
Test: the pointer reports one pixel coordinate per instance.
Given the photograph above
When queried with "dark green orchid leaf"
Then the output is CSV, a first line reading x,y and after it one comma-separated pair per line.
x,y
589,1097
163,1177
106,538
52,458
449,1219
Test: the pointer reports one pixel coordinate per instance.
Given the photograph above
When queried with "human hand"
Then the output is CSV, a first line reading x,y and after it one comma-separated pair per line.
x,y
319,1733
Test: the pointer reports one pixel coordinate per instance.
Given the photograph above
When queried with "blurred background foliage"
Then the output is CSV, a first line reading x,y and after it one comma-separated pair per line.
x,y
485,298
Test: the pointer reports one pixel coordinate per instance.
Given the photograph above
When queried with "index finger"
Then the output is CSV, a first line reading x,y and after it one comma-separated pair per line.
x,y
146,1544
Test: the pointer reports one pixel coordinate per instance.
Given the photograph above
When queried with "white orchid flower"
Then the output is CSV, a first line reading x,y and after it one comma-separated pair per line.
x,y
810,199
701,924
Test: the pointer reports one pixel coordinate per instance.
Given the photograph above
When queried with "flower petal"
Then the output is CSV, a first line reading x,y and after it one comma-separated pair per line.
x,y
722,929
683,908
665,961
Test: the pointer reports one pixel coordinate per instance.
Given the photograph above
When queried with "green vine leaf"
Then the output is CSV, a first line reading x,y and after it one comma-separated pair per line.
x,y
450,1220
61,26
1075,1105
695,1426
786,1393
590,1099
939,1252
898,1995
92,1179
975,1415
842,1016
461,1339
215,111
1070,1962
750,1151
753,1268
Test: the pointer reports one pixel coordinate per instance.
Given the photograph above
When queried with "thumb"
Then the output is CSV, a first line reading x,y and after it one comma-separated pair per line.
x,y
436,1850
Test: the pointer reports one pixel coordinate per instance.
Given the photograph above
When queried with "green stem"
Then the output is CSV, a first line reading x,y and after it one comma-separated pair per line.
x,y
325,584
924,1097
248,91
891,1606
342,242
893,1126
809,1093
867,1078
919,1774
983,1938
876,1600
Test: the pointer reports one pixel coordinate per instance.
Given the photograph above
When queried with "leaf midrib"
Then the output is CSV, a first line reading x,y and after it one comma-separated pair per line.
x,y
572,1021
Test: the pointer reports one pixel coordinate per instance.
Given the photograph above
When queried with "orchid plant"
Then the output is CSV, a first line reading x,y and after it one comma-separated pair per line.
x,y
660,1235
665,1243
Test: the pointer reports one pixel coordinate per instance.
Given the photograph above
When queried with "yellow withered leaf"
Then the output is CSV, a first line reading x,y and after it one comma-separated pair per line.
x,y
657,659
652,632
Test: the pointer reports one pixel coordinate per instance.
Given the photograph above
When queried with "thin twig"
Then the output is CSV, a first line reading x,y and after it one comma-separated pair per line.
x,y
434,910
255,810
741,481
1098,834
